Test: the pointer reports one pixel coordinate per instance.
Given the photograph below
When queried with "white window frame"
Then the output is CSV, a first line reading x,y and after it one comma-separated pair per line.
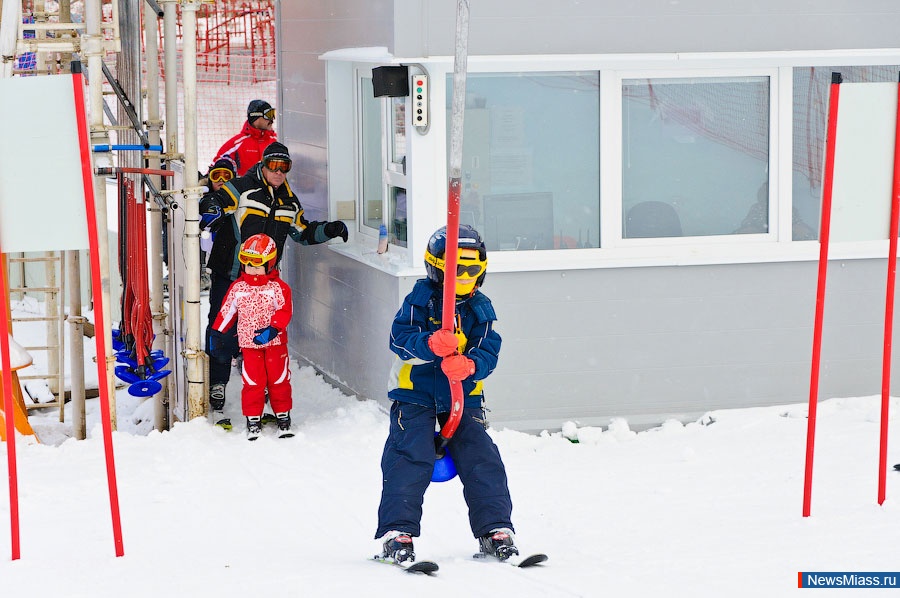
x,y
429,176
611,168
391,174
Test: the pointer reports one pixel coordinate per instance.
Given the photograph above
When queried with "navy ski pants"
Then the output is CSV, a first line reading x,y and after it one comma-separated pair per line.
x,y
408,460
221,347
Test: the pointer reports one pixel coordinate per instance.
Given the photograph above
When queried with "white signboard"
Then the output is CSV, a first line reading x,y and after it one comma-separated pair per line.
x,y
864,162
41,185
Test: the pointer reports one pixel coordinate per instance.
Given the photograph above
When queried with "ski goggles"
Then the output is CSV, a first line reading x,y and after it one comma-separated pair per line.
x,y
277,165
220,175
252,260
472,271
268,114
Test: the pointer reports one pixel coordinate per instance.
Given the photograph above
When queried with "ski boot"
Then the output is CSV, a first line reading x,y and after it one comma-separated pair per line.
x,y
398,547
217,405
498,543
254,427
217,397
284,424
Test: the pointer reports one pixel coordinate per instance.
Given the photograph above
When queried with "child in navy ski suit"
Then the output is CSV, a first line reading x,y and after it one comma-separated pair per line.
x,y
420,390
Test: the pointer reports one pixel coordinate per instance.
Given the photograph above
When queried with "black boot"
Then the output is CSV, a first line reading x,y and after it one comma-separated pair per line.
x,y
498,543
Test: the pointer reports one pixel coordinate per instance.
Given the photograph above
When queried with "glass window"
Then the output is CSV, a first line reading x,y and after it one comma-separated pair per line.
x,y
372,183
397,199
531,159
398,134
812,90
695,154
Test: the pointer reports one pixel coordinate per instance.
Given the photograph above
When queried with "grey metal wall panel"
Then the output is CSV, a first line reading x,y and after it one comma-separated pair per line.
x,y
575,26
305,129
302,68
342,316
641,343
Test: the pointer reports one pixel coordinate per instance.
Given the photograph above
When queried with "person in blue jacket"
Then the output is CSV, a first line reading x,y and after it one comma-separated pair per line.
x,y
426,358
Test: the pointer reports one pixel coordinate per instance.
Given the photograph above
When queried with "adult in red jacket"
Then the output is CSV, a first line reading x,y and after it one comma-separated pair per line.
x,y
246,148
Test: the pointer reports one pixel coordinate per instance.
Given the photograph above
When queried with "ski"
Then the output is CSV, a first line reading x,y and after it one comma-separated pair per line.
x,y
219,419
423,567
515,561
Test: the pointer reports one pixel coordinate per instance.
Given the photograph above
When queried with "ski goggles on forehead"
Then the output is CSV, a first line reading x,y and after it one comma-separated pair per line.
x,y
277,165
251,260
220,175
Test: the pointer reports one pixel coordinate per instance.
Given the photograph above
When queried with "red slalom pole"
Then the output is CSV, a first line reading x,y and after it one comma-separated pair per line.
x,y
889,312
824,230
96,280
457,114
9,413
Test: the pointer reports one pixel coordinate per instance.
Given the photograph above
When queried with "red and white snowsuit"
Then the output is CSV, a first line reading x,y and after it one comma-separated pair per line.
x,y
258,301
246,148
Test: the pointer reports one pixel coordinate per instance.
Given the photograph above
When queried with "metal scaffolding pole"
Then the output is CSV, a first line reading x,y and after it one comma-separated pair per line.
x,y
93,50
192,193
154,242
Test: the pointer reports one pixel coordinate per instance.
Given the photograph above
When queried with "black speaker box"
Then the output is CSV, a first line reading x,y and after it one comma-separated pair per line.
x,y
390,81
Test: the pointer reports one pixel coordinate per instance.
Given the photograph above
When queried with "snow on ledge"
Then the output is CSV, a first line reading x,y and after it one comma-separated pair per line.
x,y
368,54
19,357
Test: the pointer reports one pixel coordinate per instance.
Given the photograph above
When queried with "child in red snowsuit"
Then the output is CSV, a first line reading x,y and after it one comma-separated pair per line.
x,y
261,302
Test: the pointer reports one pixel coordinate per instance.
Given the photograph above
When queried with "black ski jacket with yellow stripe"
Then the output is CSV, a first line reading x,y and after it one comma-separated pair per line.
x,y
250,206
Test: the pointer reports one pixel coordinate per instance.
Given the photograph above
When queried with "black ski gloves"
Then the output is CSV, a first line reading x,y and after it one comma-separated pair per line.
x,y
336,229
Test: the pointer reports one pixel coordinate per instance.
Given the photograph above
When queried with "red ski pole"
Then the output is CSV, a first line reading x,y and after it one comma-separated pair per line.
x,y
457,114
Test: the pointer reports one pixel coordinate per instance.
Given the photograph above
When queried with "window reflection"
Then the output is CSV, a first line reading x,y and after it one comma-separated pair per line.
x,y
372,165
530,164
695,155
812,88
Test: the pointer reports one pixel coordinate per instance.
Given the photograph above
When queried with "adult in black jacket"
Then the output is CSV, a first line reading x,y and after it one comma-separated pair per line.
x,y
261,201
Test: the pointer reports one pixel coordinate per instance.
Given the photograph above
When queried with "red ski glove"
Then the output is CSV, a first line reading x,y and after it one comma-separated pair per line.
x,y
458,367
443,343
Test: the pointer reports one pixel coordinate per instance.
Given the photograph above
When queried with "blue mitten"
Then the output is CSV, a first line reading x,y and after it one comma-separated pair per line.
x,y
210,215
264,335
213,341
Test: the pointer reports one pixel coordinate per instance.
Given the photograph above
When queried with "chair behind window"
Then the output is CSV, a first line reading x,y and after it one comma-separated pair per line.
x,y
652,219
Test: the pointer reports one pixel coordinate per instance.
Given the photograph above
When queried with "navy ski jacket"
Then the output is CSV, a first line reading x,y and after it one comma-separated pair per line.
x,y
416,376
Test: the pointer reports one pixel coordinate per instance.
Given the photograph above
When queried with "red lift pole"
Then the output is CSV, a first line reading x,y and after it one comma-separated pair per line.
x,y
457,114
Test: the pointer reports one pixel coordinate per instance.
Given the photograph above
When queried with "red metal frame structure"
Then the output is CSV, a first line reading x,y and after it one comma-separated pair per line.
x,y
232,27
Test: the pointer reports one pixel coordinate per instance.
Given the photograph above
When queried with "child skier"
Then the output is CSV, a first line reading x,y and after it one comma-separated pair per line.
x,y
261,302
427,358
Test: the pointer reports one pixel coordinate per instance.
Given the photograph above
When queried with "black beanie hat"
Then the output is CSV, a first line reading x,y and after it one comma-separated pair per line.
x,y
277,150
257,108
225,162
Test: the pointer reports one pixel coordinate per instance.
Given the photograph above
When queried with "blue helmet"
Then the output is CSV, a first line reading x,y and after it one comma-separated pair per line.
x,y
471,268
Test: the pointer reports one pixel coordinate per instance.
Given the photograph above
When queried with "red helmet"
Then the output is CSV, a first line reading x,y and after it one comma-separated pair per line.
x,y
258,250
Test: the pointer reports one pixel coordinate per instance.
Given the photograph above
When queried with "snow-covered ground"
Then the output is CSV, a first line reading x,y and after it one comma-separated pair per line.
x,y
681,510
